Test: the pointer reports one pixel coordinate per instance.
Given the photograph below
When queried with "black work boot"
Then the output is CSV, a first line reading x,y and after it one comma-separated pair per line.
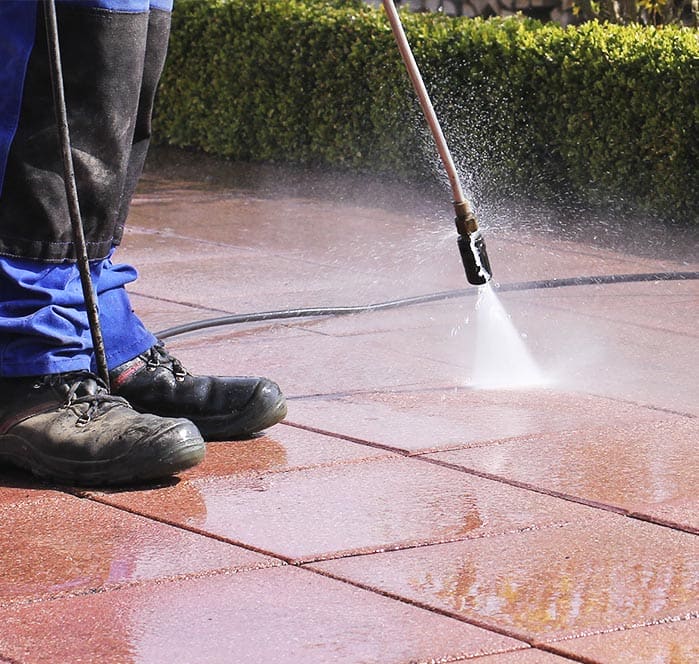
x,y
223,408
69,429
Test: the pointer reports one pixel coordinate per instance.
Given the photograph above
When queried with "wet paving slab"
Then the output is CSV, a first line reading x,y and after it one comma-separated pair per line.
x,y
544,585
676,641
647,469
580,345
360,507
274,615
281,449
418,421
16,488
64,545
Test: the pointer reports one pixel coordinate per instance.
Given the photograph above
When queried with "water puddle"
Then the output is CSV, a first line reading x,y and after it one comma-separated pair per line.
x,y
502,360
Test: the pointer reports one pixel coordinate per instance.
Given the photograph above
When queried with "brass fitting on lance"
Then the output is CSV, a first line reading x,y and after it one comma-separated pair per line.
x,y
466,223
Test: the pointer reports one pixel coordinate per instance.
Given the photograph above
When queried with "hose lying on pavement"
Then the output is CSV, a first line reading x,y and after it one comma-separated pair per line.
x,y
236,319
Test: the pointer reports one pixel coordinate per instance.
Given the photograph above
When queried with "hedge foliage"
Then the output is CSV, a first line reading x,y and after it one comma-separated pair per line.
x,y
600,115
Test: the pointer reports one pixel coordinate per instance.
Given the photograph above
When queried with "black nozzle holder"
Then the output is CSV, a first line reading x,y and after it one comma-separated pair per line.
x,y
474,258
472,246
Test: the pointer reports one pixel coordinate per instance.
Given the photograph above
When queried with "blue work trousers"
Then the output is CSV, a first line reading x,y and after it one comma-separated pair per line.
x,y
43,321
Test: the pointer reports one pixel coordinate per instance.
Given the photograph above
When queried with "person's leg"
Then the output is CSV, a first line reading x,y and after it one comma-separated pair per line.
x,y
56,418
151,379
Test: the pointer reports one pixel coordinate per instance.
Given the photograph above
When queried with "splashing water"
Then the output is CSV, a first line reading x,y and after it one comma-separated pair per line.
x,y
501,360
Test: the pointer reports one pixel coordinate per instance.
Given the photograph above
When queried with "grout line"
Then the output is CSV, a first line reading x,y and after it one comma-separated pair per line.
x,y
605,507
351,439
691,615
404,546
566,657
639,404
135,583
197,531
665,523
182,303
483,624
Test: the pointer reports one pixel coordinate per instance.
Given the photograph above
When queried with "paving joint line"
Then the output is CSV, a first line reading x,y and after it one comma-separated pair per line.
x,y
669,620
639,404
197,531
399,546
482,624
135,583
605,507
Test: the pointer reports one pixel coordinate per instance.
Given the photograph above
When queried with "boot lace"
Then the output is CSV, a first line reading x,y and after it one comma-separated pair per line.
x,y
156,357
83,393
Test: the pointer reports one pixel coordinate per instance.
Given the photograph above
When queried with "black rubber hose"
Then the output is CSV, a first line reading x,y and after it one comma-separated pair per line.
x,y
237,319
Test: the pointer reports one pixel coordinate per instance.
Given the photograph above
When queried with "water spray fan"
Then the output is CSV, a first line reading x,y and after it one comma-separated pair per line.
x,y
470,241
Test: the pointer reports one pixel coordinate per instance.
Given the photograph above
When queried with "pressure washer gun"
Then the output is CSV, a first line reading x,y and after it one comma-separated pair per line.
x,y
470,241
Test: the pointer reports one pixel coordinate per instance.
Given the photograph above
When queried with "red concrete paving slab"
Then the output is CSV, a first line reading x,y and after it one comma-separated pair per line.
x,y
63,544
234,280
209,271
558,582
649,468
680,512
666,642
667,306
306,363
274,615
12,494
420,421
308,237
281,449
630,346
367,506
435,346
530,656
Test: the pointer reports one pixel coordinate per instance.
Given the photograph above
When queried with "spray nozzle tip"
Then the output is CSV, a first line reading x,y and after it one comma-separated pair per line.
x,y
475,258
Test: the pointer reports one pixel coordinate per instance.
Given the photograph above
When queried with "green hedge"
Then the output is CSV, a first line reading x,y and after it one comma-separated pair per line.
x,y
597,115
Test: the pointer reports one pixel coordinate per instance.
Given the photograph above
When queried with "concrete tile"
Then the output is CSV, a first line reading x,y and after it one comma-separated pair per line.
x,y
12,494
306,363
419,421
426,347
648,467
667,306
557,582
67,545
359,223
282,449
529,656
666,642
368,506
232,253
229,279
274,615
682,512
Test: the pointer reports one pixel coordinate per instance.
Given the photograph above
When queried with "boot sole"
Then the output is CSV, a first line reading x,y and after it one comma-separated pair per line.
x,y
107,472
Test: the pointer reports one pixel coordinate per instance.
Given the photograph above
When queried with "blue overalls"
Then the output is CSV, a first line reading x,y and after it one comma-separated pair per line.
x,y
112,54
